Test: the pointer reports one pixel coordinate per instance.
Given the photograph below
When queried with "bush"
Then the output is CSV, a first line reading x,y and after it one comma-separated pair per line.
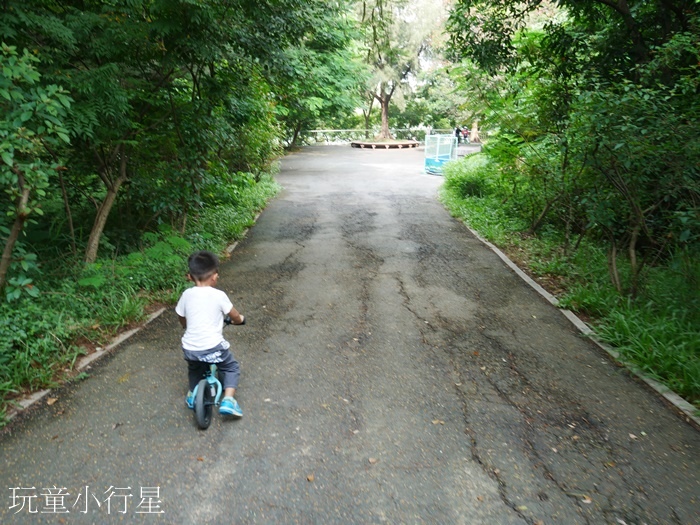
x,y
470,177
661,340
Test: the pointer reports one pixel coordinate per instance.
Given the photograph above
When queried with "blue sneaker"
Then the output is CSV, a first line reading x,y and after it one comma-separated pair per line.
x,y
230,407
190,400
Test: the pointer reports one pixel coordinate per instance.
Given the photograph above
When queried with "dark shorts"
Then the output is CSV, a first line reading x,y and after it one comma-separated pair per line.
x,y
227,366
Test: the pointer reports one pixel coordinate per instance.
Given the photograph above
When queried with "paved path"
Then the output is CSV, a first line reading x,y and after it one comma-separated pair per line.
x,y
394,371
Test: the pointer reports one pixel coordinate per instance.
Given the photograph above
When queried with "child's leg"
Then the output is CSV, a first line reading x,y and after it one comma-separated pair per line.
x,y
195,372
229,373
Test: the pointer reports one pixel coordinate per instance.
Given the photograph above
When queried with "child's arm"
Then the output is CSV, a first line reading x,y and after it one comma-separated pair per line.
x,y
183,321
236,317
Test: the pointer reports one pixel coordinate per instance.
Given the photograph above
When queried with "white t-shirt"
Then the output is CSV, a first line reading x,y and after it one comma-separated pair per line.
x,y
204,308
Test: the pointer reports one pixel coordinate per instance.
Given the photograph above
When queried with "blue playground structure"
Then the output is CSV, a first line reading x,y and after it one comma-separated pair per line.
x,y
439,149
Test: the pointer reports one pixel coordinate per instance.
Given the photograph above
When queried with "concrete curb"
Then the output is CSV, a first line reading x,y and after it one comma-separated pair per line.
x,y
681,405
83,363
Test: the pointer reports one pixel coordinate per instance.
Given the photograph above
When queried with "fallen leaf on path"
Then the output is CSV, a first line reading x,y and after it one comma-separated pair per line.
x,y
50,401
587,500
438,422
200,458
124,378
480,498
373,461
632,436
310,477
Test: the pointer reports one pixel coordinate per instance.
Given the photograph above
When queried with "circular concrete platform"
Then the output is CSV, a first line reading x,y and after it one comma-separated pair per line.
x,y
386,145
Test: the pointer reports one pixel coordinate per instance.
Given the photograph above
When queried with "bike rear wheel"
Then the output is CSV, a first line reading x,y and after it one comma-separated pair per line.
x,y
203,404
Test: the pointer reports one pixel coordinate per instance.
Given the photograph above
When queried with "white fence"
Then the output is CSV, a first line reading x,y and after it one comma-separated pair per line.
x,y
343,136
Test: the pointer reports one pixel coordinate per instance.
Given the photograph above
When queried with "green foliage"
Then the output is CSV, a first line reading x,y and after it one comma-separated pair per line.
x,y
34,344
225,222
596,121
320,87
158,266
30,128
664,343
396,35
471,192
470,177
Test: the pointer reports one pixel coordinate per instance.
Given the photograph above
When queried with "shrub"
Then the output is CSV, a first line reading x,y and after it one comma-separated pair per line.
x,y
470,177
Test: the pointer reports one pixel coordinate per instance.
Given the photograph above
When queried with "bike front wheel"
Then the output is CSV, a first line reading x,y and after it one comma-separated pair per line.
x,y
203,404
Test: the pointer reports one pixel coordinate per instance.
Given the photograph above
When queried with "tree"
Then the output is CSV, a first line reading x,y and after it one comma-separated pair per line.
x,y
598,101
397,33
319,79
31,124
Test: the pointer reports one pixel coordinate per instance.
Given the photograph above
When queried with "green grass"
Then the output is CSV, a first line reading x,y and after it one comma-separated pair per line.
x,y
659,331
665,345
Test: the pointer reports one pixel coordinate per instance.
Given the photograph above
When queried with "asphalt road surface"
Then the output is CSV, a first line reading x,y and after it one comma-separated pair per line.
x,y
394,370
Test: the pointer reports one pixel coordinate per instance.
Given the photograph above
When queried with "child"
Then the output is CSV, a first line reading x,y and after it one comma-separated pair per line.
x,y
202,309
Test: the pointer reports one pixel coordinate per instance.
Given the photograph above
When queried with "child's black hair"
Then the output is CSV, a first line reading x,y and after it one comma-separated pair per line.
x,y
202,265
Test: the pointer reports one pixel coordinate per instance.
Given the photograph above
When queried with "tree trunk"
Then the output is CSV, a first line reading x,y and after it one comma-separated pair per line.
x,y
474,134
295,136
384,101
612,266
543,214
69,215
103,212
367,114
635,267
20,218
384,98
